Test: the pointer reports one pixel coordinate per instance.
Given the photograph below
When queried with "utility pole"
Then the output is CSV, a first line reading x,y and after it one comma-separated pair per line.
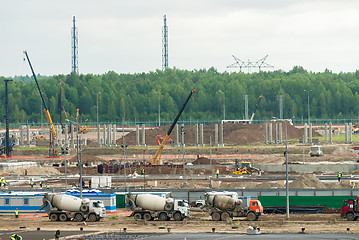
x,y
286,173
183,159
79,151
7,139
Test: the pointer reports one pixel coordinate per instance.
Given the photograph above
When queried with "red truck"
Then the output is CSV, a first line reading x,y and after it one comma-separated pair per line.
x,y
349,210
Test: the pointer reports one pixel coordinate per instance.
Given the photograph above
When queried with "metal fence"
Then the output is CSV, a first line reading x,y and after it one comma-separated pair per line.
x,y
185,122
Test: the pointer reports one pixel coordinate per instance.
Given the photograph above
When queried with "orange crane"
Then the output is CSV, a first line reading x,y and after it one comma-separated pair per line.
x,y
46,111
154,159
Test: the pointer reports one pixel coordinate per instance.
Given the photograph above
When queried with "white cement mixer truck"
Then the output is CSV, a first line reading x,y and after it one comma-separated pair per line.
x,y
149,207
65,207
225,205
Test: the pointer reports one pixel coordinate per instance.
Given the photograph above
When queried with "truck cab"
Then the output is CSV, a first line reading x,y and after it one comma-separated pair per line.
x,y
98,207
181,206
349,209
256,206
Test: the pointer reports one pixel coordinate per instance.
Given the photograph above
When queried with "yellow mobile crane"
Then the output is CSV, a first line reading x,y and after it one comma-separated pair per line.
x,y
52,151
153,162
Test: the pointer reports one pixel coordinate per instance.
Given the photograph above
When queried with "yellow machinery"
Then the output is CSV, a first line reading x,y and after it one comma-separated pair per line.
x,y
246,168
154,159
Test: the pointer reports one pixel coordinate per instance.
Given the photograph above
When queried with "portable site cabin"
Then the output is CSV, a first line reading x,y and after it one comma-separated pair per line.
x,y
109,199
121,197
25,202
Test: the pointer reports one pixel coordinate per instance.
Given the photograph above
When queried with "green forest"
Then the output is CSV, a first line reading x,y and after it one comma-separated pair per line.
x,y
136,97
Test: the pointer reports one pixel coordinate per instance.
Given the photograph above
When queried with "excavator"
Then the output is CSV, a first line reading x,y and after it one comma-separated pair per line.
x,y
155,158
245,168
52,151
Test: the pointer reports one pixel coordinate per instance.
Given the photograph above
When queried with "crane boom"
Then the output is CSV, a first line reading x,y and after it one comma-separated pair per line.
x,y
255,109
171,128
46,111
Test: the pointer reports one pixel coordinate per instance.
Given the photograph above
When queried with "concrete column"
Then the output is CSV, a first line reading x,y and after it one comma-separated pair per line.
x,y
276,133
176,137
310,134
280,133
196,135
57,140
104,135
28,135
350,133
109,130
305,133
265,133
270,133
182,135
137,135
221,135
330,133
346,132
143,135
72,143
66,135
59,135
201,135
99,135
21,136
216,135
326,133
114,135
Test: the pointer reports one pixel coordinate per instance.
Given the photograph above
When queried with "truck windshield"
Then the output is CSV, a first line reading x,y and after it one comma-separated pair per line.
x,y
98,204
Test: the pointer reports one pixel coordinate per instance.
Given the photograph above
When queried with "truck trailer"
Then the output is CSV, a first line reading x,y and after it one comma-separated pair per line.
x,y
150,207
225,206
65,207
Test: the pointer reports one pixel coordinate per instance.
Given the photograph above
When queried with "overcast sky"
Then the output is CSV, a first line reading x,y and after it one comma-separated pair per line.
x,y
126,36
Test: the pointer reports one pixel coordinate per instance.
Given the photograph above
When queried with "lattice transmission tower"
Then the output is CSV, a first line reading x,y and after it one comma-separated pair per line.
x,y
164,44
249,65
75,46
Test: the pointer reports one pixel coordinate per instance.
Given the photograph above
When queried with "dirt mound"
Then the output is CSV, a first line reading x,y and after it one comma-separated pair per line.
x,y
35,171
343,150
234,134
204,161
307,181
86,158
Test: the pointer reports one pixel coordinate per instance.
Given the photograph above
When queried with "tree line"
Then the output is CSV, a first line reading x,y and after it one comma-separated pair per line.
x,y
136,97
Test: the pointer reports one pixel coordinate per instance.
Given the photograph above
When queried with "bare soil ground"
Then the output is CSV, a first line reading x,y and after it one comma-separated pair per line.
x,y
199,222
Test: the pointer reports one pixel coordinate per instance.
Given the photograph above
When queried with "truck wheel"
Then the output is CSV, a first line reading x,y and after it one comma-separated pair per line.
x,y
163,216
199,204
92,217
350,216
54,217
168,206
147,217
78,217
216,216
225,216
63,217
251,216
177,216
137,216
